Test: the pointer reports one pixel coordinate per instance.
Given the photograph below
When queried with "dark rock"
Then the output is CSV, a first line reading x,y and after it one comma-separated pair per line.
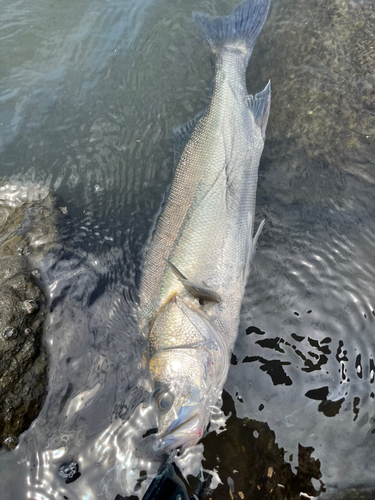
x,y
69,472
22,360
251,465
27,233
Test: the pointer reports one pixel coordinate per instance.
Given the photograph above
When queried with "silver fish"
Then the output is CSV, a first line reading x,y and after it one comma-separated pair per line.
x,y
197,262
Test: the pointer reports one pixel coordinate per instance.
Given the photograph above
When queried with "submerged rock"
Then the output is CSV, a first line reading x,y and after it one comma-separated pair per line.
x,y
321,62
69,472
27,233
255,466
28,217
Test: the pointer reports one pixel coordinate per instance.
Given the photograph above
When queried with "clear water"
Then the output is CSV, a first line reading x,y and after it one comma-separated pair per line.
x,y
89,92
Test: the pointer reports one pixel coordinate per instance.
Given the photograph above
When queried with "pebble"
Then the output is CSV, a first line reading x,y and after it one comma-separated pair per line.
x,y
11,442
69,472
31,306
10,333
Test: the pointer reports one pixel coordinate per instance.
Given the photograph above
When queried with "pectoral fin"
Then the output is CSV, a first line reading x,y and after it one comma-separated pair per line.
x,y
255,240
251,246
199,292
175,271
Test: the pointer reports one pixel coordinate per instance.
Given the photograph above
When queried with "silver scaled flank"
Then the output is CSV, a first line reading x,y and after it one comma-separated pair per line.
x,y
197,261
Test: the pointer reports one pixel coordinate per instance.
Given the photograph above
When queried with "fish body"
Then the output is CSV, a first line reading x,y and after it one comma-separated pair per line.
x,y
203,241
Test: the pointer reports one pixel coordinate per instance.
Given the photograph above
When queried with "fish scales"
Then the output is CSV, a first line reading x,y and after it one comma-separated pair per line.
x,y
178,331
206,201
206,227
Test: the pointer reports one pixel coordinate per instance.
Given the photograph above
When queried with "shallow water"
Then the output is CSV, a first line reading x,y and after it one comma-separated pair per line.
x,y
89,93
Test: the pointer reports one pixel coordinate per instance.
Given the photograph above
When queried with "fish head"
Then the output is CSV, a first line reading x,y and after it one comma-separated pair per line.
x,y
189,363
180,398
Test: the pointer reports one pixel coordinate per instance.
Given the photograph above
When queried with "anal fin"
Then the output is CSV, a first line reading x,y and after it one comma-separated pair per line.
x,y
255,239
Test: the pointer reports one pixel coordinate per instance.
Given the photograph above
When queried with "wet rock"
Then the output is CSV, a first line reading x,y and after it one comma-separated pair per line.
x,y
9,333
323,93
31,306
22,360
11,442
28,217
27,233
69,472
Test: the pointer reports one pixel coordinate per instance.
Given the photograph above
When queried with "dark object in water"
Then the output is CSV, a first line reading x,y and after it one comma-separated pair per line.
x,y
167,485
69,472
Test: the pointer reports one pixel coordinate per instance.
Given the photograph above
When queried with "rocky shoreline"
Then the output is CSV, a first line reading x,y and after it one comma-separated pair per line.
x,y
28,218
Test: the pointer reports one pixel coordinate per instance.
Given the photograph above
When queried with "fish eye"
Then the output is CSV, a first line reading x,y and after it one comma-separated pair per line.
x,y
164,400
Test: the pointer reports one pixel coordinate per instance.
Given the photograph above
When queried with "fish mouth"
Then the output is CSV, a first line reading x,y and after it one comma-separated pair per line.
x,y
185,434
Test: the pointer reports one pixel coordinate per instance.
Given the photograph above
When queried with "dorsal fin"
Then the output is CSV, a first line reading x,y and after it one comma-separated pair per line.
x,y
259,105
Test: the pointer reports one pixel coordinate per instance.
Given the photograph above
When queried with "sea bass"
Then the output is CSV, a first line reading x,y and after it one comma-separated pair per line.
x,y
197,262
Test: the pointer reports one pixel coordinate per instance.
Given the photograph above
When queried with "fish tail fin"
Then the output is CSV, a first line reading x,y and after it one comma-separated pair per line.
x,y
240,29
